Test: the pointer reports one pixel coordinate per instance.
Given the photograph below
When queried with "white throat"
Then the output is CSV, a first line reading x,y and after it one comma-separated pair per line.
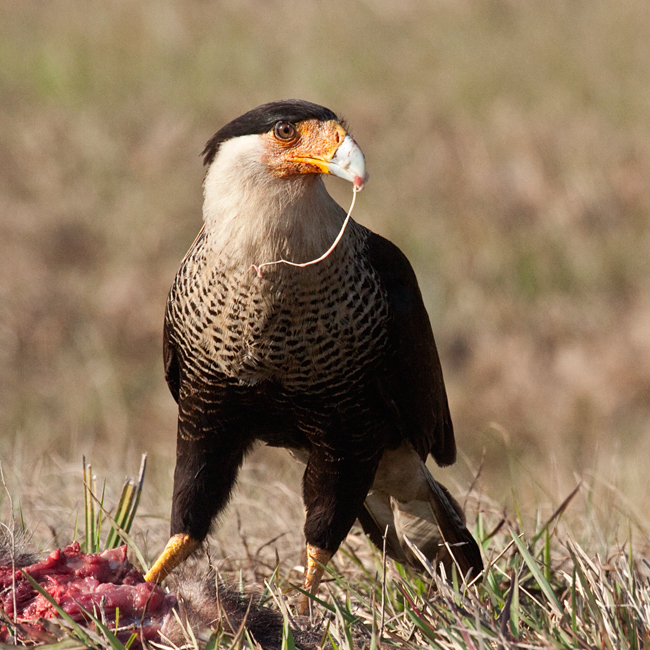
x,y
252,217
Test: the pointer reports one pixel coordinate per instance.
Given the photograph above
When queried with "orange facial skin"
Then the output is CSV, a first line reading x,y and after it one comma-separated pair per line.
x,y
308,152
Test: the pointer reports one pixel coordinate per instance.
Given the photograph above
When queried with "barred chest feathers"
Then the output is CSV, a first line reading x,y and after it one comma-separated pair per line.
x,y
300,327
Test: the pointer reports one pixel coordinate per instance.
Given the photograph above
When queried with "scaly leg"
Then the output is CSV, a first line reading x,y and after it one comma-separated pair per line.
x,y
178,548
317,559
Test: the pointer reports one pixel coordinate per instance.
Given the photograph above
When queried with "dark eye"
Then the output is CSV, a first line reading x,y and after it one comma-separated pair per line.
x,y
285,131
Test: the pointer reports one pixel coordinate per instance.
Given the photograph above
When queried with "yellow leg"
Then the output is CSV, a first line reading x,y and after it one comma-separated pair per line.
x,y
317,559
177,549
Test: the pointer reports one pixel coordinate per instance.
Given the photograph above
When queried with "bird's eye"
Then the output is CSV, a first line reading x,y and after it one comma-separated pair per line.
x,y
285,131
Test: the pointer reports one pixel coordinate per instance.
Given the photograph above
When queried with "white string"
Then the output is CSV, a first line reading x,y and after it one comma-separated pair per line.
x,y
258,267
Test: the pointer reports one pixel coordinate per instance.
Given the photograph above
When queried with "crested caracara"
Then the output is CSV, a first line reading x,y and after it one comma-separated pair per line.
x,y
335,361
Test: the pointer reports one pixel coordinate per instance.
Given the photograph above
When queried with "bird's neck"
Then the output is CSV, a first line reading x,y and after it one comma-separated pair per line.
x,y
250,221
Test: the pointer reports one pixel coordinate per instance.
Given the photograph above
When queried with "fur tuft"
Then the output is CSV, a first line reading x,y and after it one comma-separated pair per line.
x,y
205,601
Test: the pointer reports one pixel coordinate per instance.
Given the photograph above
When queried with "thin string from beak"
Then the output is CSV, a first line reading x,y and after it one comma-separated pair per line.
x,y
258,267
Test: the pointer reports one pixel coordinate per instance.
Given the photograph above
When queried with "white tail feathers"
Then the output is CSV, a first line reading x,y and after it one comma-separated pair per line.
x,y
425,530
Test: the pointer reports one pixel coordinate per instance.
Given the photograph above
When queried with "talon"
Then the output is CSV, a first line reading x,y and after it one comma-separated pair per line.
x,y
179,547
317,559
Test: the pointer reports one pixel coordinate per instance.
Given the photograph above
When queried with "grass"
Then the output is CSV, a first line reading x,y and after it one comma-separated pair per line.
x,y
540,589
508,146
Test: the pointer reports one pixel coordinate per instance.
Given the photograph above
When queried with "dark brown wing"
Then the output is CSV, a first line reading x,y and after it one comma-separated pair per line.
x,y
412,380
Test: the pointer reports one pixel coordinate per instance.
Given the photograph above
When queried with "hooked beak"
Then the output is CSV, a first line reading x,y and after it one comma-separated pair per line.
x,y
349,163
330,150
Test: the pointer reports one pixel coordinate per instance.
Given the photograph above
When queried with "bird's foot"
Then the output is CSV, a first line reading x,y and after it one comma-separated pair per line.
x,y
179,547
317,559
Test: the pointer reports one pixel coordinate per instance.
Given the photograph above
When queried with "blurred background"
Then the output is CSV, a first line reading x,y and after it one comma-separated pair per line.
x,y
508,144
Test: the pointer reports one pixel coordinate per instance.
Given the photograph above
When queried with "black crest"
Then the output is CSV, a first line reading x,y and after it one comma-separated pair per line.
x,y
263,119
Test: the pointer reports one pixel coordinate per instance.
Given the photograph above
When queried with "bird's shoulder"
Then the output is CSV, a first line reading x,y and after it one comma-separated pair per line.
x,y
412,379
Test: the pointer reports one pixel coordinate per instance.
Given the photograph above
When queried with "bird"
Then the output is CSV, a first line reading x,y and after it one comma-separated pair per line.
x,y
331,356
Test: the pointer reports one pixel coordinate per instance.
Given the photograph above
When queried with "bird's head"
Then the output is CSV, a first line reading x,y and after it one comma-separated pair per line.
x,y
288,139
263,194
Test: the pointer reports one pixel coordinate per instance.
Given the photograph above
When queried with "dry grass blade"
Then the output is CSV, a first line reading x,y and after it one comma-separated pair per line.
x,y
558,512
421,556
